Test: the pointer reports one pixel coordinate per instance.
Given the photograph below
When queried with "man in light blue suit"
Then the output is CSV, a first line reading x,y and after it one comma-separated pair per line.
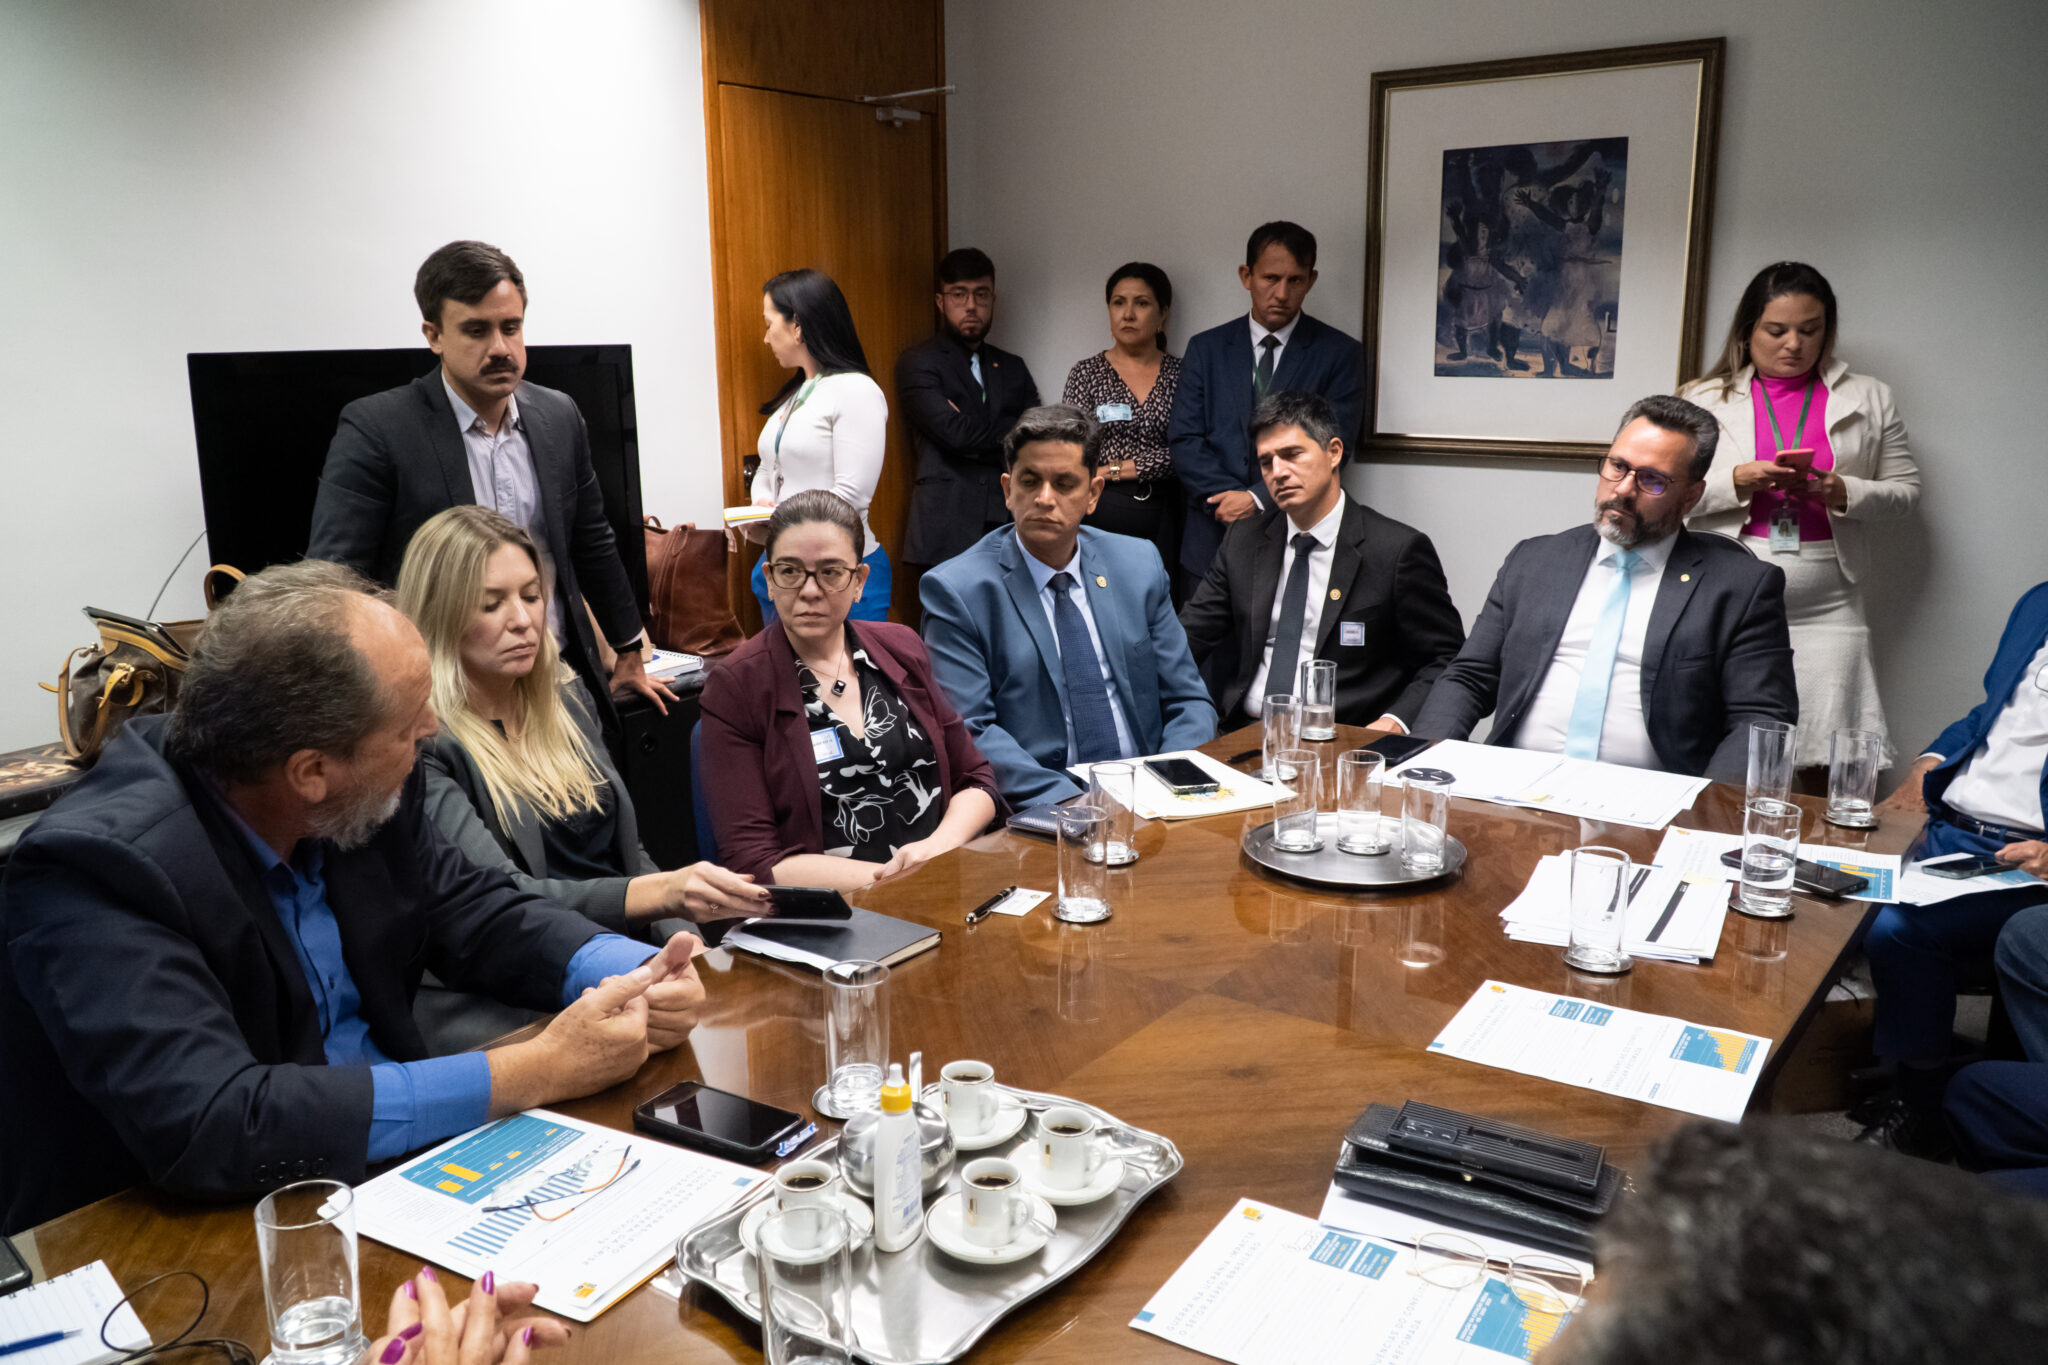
x,y
1057,643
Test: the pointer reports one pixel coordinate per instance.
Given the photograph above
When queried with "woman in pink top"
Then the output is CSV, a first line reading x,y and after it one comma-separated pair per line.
x,y
1811,454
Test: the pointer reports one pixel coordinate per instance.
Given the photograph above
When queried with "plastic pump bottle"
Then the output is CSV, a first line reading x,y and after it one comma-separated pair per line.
x,y
898,1168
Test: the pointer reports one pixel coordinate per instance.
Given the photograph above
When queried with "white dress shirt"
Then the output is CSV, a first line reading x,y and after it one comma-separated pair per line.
x,y
2000,784
502,476
1260,333
1624,733
1320,558
1041,576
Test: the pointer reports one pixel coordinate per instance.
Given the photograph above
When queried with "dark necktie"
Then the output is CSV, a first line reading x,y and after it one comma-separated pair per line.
x,y
1285,669
1094,726
1262,378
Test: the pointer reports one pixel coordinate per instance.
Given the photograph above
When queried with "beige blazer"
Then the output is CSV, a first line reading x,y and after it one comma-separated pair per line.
x,y
1869,442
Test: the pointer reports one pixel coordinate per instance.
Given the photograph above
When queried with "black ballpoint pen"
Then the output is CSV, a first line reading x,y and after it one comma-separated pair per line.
x,y
981,912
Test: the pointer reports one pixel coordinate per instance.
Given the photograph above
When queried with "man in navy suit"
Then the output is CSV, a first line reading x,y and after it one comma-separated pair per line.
x,y
1056,642
1228,369
1983,785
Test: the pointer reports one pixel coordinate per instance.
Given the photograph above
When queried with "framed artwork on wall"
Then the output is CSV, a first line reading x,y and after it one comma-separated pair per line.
x,y
1536,246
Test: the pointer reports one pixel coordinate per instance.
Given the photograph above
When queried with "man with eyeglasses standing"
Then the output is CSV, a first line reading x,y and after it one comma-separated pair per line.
x,y
1632,640
961,395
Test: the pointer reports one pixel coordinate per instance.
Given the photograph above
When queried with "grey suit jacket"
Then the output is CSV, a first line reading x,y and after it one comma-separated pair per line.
x,y
1717,655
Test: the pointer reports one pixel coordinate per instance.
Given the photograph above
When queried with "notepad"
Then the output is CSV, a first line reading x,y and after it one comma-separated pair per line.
x,y
866,937
77,1300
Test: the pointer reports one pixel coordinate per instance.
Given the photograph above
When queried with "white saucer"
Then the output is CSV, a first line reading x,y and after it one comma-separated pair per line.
x,y
858,1216
1108,1176
1010,1116
946,1224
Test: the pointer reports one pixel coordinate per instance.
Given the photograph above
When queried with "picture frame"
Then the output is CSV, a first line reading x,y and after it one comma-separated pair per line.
x,y
1537,237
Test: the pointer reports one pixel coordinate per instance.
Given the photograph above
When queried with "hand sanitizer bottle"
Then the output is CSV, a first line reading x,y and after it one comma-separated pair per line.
x,y
898,1168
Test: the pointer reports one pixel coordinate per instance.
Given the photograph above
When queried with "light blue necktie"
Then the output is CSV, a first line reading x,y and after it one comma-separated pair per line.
x,y
1589,708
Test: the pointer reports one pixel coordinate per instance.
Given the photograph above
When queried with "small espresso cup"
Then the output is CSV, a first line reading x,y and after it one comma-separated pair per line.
x,y
807,1184
972,1099
1067,1153
994,1203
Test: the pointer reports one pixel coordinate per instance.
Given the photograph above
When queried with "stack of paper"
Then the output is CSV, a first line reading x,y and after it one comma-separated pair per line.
x,y
1670,917
1235,791
1610,792
669,663
1697,854
744,515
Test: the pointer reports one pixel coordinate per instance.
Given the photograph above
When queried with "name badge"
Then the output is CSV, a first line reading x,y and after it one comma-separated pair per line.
x,y
825,746
1785,533
1112,412
1351,633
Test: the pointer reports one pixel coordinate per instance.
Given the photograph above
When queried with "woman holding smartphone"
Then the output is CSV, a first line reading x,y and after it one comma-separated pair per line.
x,y
1812,458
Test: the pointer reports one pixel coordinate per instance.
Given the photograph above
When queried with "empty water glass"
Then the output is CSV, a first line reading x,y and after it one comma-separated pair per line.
x,y
856,1035
1113,789
1318,699
1772,744
1425,822
1770,848
1361,774
1298,775
806,1287
1854,757
1084,882
306,1243
1600,887
1280,721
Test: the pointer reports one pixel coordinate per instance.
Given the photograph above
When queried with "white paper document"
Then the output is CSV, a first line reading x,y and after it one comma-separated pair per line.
x,y
1269,1287
1918,887
1235,791
1609,792
1697,853
76,1301
587,1213
1649,1057
1669,917
1349,1212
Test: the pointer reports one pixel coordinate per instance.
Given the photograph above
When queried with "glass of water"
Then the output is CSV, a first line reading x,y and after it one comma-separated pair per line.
x,y
1770,848
1772,744
1084,881
806,1270
1600,886
306,1241
856,1035
1425,821
1113,789
1854,757
1280,719
1299,776
1318,699
1361,774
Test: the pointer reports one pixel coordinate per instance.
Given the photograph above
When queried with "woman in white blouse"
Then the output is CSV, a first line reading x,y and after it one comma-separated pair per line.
x,y
826,427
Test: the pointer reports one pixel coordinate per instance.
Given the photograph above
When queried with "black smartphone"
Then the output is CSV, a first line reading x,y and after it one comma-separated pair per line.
x,y
1399,748
808,902
722,1123
1963,868
14,1272
1183,776
1815,879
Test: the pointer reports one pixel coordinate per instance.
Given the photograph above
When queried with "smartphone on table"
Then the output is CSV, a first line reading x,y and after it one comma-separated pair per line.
x,y
808,902
1815,879
1977,865
722,1123
1183,776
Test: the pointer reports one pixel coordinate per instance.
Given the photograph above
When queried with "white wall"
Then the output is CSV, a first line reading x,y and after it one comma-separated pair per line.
x,y
1893,143
232,175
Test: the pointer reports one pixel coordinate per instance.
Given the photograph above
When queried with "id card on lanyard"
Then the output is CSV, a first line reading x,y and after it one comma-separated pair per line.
x,y
1785,521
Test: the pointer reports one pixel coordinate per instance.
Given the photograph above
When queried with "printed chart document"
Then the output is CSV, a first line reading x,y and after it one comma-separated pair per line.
x,y
1609,792
1350,1212
1269,1287
587,1213
1649,1057
1696,853
1916,887
1669,917
1235,791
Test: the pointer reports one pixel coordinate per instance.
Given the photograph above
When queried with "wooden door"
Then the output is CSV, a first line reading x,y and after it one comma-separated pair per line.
x,y
814,178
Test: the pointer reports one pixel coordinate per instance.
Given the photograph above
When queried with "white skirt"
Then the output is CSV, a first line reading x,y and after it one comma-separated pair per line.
x,y
1830,649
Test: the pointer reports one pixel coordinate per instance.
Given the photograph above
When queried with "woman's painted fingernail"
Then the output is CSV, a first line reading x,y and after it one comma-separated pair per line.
x,y
428,1272
526,1337
490,1283
395,1352
409,1333
411,1292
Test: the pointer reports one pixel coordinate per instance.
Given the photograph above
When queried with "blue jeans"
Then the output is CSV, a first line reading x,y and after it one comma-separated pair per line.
x,y
874,598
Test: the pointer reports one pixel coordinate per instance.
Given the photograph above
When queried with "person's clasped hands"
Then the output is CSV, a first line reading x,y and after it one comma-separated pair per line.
x,y
490,1327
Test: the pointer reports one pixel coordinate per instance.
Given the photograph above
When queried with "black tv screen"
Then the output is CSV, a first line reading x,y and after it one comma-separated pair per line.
x,y
264,419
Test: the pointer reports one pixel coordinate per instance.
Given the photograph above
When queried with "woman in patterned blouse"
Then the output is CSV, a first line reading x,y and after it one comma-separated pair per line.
x,y
1129,390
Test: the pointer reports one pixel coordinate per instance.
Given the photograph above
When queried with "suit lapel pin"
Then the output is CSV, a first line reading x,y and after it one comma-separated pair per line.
x,y
1336,593
1101,582
1685,578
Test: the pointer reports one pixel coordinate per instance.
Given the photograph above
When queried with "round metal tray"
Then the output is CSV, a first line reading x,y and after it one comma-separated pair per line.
x,y
1329,866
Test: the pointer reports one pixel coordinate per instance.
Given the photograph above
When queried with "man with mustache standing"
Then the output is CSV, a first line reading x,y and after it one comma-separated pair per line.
x,y
472,431
1632,640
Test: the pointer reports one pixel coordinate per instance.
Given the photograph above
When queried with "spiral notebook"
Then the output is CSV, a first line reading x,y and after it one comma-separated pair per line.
x,y
75,1301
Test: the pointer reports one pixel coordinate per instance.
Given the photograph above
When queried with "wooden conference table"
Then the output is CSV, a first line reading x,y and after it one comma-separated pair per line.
x,y
1246,1018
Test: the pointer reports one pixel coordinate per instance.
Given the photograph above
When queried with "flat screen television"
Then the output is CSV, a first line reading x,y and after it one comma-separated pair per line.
x,y
264,420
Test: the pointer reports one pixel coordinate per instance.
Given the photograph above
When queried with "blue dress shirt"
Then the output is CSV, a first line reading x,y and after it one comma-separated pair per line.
x,y
1041,578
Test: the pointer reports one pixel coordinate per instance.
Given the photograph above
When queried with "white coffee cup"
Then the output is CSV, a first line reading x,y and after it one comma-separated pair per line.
x,y
807,1184
1068,1155
972,1099
994,1203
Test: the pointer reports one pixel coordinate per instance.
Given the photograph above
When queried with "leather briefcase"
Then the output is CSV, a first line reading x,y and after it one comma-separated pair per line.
x,y
687,608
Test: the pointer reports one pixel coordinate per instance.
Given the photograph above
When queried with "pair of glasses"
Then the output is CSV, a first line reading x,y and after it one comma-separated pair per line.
x,y
1543,1284
1652,483
970,295
790,576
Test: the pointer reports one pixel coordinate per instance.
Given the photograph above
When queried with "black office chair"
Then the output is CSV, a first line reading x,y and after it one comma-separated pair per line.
x,y
700,809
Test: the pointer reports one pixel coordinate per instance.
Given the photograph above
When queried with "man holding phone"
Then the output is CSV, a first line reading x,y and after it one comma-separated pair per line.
x,y
1983,785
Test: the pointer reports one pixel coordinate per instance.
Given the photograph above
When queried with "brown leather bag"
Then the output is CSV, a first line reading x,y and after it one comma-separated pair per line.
x,y
688,609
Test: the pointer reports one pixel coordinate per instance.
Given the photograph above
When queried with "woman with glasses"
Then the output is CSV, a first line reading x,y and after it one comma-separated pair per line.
x,y
826,425
1812,460
830,756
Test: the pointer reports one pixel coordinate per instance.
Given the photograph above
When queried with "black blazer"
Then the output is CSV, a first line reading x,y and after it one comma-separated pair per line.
x,y
397,459
157,1021
959,441
1717,655
1389,584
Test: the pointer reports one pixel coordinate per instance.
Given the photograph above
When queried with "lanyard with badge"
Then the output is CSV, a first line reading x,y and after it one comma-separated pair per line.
x,y
790,411
1785,522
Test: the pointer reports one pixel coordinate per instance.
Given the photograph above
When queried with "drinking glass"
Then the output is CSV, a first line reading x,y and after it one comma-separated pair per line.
x,y
1318,699
1280,719
856,1035
1361,774
1113,789
1854,756
1084,882
806,1287
1600,885
1772,744
1425,818
1298,774
1770,847
306,1242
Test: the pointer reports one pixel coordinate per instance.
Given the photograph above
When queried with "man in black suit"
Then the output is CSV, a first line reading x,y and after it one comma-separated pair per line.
x,y
471,431
1362,590
1632,640
960,396
1228,369
212,942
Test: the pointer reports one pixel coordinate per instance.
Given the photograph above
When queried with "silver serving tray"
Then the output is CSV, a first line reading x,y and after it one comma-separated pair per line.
x,y
919,1306
1331,866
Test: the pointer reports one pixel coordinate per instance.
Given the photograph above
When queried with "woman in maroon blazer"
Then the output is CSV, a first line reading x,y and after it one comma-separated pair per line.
x,y
831,757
